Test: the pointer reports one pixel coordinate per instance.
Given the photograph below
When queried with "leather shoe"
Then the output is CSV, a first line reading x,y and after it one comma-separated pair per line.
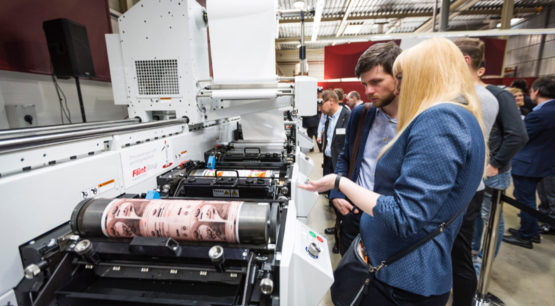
x,y
534,239
494,300
330,230
517,240
547,229
335,249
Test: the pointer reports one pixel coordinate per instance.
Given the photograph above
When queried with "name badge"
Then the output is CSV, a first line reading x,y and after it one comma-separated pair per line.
x,y
340,131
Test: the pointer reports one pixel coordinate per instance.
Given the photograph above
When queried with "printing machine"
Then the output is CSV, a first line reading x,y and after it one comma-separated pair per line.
x,y
180,145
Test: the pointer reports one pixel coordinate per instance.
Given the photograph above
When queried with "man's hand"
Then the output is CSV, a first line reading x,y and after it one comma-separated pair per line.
x,y
319,140
343,206
491,170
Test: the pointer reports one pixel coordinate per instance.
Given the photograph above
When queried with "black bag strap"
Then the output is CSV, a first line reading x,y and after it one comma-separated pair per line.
x,y
358,135
418,244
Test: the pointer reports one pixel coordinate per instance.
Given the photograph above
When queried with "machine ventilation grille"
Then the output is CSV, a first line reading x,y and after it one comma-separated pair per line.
x,y
157,77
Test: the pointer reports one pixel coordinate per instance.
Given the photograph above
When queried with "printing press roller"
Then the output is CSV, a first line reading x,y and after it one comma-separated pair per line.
x,y
232,222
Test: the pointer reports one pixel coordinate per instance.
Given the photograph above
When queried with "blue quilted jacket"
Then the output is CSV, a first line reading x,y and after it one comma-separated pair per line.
x,y
428,175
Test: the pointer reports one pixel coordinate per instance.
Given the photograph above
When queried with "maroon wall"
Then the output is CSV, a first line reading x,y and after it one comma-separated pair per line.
x,y
22,40
340,60
495,53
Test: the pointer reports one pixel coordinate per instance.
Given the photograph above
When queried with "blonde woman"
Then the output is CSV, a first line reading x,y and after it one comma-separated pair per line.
x,y
519,98
424,177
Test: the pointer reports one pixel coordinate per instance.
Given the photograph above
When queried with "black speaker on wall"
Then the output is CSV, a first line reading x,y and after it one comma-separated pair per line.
x,y
69,48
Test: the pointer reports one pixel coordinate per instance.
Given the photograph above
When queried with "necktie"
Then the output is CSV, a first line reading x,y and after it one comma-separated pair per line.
x,y
324,141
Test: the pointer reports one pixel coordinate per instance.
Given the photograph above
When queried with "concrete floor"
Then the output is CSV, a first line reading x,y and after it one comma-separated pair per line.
x,y
519,276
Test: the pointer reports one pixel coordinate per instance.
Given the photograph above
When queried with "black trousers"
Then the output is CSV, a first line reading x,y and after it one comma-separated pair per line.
x,y
313,132
464,275
348,230
382,294
327,165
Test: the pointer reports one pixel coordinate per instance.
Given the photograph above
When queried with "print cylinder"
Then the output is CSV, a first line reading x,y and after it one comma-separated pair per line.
x,y
183,220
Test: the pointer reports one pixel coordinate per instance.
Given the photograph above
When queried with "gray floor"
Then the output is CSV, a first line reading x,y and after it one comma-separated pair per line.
x,y
520,276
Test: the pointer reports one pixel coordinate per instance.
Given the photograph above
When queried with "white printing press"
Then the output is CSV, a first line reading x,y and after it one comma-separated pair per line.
x,y
193,200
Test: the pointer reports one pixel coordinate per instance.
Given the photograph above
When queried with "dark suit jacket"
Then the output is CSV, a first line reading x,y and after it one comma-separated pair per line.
x,y
537,158
343,162
337,141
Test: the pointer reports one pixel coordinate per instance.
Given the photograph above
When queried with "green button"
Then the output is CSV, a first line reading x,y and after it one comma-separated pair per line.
x,y
312,234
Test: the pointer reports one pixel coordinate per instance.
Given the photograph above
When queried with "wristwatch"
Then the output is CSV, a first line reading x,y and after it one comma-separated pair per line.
x,y
337,180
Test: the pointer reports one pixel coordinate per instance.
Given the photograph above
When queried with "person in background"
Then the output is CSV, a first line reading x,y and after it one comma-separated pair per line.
x,y
507,137
521,83
535,161
310,123
375,70
353,99
519,99
337,118
464,276
340,95
425,176
546,192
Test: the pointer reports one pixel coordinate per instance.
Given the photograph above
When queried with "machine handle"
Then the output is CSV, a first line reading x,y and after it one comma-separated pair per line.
x,y
251,148
235,183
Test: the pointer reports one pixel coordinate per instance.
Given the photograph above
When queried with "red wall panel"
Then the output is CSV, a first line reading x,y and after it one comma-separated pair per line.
x,y
495,53
22,41
340,61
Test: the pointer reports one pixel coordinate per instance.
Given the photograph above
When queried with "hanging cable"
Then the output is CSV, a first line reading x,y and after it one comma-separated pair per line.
x,y
62,100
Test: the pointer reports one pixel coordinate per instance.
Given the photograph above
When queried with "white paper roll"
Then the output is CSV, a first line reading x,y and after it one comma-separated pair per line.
x,y
244,94
263,126
242,40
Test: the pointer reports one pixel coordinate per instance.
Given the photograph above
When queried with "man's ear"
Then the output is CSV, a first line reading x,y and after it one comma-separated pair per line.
x,y
536,92
467,59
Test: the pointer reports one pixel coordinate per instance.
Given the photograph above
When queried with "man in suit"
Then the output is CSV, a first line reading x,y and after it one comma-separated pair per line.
x,y
535,161
337,118
374,68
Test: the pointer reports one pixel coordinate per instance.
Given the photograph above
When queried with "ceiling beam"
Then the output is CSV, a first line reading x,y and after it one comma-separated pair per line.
x,y
361,38
343,24
454,8
507,13
492,11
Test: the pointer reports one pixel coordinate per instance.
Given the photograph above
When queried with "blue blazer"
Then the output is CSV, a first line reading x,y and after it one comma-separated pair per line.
x,y
428,175
537,158
343,161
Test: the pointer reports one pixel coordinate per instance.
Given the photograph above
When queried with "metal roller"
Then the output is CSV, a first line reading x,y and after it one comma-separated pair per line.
x,y
185,220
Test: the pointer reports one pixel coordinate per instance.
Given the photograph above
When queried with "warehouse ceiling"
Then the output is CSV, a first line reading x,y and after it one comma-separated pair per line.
x,y
344,19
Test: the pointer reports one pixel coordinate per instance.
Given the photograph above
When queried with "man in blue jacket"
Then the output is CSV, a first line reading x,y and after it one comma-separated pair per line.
x,y
374,68
535,161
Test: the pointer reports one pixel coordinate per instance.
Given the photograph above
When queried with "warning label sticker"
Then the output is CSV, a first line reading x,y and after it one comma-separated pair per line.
x,y
225,193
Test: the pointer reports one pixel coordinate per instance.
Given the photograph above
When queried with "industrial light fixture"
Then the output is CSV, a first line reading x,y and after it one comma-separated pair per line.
x,y
352,29
299,5
514,21
317,16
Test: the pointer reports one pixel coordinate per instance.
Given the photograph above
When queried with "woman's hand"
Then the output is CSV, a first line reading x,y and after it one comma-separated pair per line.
x,y
324,184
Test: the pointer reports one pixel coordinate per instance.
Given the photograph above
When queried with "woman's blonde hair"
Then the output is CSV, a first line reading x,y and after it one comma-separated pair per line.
x,y
515,90
433,72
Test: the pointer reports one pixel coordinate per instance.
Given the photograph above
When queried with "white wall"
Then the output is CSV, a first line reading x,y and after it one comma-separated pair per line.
x,y
523,51
28,88
3,119
286,60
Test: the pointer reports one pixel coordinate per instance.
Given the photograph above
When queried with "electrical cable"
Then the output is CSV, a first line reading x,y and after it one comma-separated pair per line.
x,y
62,99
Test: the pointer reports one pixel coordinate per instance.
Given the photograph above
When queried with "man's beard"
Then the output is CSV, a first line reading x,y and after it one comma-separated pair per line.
x,y
385,101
